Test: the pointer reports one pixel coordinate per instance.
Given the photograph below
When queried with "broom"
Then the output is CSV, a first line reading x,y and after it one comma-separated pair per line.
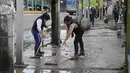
x,y
52,62
40,45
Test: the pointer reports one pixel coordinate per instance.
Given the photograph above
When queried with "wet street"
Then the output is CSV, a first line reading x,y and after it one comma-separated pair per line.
x,y
65,71
103,53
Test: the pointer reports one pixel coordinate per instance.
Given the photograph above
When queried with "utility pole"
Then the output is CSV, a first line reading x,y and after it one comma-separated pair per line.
x,y
19,34
80,10
77,8
85,21
42,2
101,9
55,22
84,9
89,10
127,53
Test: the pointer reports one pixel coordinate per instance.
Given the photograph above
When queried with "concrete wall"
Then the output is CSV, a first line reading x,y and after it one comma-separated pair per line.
x,y
6,39
6,54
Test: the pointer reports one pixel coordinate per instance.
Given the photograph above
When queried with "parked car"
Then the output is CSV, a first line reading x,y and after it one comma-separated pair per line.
x,y
71,6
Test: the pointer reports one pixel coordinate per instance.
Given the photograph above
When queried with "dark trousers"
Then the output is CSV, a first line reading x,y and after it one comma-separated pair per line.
x,y
78,39
92,19
37,38
116,17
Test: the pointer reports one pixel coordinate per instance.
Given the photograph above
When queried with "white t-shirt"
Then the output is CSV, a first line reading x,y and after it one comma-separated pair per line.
x,y
39,23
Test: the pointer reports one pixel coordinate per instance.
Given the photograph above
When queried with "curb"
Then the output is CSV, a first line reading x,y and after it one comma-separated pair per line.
x,y
34,12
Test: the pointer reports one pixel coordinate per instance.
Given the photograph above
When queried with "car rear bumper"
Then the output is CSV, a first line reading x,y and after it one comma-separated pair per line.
x,y
71,11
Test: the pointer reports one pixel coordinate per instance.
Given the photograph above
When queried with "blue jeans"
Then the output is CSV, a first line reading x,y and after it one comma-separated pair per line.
x,y
37,38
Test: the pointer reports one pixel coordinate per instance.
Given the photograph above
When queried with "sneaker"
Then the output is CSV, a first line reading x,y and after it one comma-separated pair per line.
x,y
81,54
38,54
41,52
74,57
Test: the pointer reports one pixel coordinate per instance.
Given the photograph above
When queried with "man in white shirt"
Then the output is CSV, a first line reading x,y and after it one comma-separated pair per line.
x,y
37,31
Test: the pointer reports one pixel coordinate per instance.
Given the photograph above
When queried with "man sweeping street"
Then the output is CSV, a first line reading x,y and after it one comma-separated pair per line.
x,y
37,32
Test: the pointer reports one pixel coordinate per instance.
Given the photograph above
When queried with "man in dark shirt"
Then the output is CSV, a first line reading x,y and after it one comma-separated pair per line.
x,y
92,15
37,31
116,13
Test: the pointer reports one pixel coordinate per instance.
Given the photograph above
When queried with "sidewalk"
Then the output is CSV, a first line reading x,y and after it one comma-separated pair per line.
x,y
103,55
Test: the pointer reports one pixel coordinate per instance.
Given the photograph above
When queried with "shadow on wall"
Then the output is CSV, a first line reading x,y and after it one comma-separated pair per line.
x,y
6,62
